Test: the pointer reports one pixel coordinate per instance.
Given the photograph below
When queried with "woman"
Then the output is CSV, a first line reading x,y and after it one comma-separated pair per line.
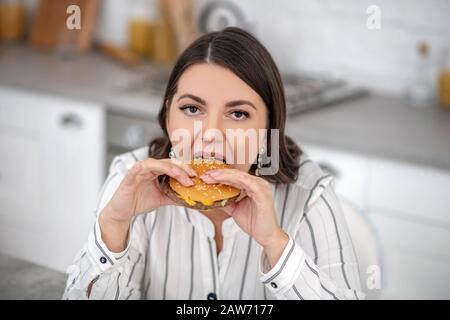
x,y
286,239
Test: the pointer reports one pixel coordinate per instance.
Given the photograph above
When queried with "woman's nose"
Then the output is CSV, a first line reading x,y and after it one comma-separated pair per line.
x,y
212,124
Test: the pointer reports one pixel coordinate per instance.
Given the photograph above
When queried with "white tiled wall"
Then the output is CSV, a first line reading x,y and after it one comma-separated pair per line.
x,y
329,36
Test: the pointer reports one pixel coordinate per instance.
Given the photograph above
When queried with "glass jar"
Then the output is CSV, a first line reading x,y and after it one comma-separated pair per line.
x,y
444,81
142,26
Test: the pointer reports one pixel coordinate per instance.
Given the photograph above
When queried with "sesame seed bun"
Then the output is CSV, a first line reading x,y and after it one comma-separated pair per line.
x,y
201,196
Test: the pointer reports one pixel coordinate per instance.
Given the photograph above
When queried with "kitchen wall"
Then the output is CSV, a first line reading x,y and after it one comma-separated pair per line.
x,y
331,37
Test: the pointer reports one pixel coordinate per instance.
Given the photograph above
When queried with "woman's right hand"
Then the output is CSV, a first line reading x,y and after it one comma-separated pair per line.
x,y
138,193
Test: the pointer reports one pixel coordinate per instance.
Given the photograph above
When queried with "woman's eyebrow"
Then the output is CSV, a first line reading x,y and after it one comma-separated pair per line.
x,y
233,103
193,97
239,102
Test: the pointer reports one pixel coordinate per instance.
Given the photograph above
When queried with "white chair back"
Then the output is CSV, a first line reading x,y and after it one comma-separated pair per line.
x,y
367,249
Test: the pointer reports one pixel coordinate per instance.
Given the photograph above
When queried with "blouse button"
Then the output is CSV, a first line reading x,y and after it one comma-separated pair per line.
x,y
274,285
103,260
212,296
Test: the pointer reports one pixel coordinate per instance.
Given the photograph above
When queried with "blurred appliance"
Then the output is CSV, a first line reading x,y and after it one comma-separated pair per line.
x,y
128,132
305,93
216,15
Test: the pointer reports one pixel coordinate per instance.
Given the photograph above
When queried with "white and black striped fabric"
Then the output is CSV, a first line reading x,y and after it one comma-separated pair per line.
x,y
171,252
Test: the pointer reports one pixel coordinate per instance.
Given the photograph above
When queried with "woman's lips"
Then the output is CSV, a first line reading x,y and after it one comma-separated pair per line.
x,y
210,155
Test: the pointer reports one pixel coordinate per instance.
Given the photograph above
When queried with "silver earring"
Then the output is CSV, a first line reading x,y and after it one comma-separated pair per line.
x,y
172,154
261,153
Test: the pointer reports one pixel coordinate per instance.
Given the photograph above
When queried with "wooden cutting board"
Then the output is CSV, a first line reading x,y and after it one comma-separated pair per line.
x,y
49,28
181,17
174,31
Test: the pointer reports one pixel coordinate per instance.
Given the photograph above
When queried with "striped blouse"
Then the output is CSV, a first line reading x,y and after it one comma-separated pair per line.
x,y
171,251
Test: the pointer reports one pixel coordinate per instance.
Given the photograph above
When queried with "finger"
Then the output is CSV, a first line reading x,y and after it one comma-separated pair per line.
x,y
226,176
242,195
188,168
130,177
185,166
234,182
252,185
140,177
162,167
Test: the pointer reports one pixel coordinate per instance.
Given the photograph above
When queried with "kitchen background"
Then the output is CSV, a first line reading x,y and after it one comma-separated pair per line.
x,y
368,91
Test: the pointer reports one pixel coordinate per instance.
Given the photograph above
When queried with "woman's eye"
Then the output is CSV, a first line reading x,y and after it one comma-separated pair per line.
x,y
239,115
190,110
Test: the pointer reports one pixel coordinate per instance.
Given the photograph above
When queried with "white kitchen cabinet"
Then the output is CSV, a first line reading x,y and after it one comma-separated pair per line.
x,y
350,172
19,111
51,168
409,208
19,179
416,191
416,259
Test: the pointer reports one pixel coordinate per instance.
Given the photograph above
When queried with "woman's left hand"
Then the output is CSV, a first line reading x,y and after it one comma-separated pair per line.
x,y
255,214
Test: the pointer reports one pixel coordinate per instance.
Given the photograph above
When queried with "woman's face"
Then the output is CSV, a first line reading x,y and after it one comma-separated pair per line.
x,y
210,105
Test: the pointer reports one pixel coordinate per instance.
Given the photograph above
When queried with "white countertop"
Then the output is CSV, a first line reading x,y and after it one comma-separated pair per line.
x,y
91,77
379,126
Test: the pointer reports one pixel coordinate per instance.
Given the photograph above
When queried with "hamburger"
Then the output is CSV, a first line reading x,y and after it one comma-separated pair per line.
x,y
202,195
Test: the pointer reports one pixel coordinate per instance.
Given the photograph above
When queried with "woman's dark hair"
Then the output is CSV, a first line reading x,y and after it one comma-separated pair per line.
x,y
240,52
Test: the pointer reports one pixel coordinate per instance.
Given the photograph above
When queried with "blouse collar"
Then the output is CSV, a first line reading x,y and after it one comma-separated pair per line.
x,y
205,225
